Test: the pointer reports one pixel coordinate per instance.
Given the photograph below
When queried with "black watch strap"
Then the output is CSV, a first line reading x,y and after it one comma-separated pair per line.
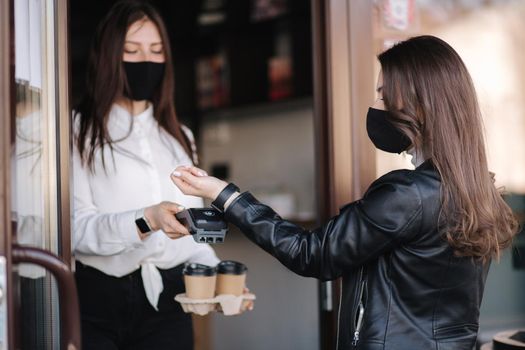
x,y
225,194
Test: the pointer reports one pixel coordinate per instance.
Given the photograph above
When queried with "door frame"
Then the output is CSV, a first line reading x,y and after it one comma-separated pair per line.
x,y
6,133
64,180
343,90
59,266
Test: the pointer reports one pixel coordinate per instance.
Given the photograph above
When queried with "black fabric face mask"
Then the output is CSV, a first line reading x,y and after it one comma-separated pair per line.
x,y
383,134
143,79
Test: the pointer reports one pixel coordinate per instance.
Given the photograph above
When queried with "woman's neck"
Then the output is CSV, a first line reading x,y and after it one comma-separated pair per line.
x,y
417,156
132,106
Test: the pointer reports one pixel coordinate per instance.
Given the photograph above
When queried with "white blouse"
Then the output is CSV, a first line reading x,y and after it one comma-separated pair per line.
x,y
106,202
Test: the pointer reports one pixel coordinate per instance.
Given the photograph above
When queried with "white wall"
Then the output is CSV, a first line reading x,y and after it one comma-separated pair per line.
x,y
268,151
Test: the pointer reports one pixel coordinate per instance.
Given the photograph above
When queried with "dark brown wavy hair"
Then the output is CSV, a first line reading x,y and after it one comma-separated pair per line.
x,y
428,89
106,81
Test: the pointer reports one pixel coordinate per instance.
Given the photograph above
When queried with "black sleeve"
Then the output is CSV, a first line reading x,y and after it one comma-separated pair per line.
x,y
388,215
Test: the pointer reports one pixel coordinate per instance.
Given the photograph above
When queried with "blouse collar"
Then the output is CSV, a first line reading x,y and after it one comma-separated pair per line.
x,y
121,117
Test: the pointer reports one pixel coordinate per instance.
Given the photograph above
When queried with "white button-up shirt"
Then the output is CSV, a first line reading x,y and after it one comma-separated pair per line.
x,y
107,201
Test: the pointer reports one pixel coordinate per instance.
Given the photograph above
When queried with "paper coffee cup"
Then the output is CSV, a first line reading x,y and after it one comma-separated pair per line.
x,y
231,277
200,281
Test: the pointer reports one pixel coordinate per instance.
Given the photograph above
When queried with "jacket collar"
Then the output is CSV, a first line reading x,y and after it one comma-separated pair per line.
x,y
427,165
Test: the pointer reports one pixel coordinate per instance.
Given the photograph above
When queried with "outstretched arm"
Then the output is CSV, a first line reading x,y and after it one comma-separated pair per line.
x,y
388,215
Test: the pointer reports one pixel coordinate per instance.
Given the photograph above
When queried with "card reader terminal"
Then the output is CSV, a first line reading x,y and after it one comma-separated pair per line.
x,y
206,225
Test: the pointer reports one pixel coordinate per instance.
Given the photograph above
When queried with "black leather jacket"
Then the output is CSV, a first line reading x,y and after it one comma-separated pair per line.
x,y
403,288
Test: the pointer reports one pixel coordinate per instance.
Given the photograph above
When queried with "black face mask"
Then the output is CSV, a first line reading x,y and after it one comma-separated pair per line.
x,y
383,133
143,79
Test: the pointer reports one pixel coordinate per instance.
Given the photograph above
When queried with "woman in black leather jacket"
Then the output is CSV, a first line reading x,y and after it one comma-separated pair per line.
x,y
414,252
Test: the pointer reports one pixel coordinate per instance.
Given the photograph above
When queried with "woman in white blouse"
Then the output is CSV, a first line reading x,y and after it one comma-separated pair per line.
x,y
127,142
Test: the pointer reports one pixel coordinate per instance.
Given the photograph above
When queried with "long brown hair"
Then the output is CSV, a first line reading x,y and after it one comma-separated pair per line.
x,y
430,92
106,81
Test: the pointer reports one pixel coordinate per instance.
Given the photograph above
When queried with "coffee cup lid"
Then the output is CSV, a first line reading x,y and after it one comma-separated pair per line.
x,y
231,267
194,269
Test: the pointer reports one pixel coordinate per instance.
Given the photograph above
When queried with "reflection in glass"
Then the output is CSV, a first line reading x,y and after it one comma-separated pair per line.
x,y
28,198
31,186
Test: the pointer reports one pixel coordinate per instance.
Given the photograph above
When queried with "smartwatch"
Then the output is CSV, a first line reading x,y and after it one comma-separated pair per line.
x,y
142,222
225,194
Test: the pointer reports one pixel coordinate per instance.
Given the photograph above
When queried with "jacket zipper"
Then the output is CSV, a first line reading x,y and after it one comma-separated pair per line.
x,y
339,314
359,313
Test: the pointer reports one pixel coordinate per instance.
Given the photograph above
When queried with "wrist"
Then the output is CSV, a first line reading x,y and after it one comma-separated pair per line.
x,y
148,215
143,226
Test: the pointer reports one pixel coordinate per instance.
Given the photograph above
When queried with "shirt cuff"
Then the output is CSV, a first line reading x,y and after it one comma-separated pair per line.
x,y
128,228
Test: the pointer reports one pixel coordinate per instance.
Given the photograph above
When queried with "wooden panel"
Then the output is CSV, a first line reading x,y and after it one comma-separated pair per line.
x,y
362,94
343,90
339,92
351,92
6,136
63,131
6,80
324,190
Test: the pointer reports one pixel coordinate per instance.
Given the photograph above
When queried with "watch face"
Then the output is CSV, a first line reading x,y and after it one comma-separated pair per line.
x,y
142,225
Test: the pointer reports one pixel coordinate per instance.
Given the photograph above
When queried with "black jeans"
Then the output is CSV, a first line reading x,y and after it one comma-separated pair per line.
x,y
116,314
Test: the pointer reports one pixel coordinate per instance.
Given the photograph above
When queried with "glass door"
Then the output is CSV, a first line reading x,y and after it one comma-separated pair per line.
x,y
40,309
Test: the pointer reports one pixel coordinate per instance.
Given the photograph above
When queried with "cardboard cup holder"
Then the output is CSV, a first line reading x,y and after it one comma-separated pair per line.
x,y
225,303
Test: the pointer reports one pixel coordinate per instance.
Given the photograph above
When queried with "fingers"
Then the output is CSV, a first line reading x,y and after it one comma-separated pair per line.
x,y
174,235
176,232
197,172
188,176
175,227
172,207
185,187
187,182
167,221
192,169
185,175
